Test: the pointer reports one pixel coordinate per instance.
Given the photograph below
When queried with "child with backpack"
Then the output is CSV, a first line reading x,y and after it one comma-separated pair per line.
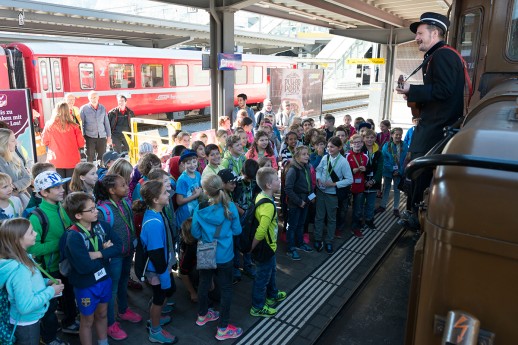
x,y
264,244
148,162
333,177
158,244
25,294
188,187
111,195
358,162
84,178
35,200
234,157
10,205
88,246
49,220
217,220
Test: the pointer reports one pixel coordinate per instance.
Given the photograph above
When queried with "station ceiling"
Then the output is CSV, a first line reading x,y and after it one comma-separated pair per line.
x,y
372,20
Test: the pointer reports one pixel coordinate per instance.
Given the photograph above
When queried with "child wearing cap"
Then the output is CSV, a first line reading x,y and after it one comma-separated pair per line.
x,y
10,205
35,200
109,158
49,185
188,187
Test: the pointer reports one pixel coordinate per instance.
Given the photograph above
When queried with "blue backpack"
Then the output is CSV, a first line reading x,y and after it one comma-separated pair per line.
x,y
107,212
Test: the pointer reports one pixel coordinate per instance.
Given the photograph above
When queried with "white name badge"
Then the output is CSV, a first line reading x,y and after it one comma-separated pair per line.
x,y
311,196
135,242
99,274
358,180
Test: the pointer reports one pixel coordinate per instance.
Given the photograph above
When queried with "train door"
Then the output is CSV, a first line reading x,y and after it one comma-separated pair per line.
x,y
51,84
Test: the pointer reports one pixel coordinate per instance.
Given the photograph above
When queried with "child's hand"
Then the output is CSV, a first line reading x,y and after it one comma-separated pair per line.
x,y
355,170
58,289
197,191
107,244
95,255
362,168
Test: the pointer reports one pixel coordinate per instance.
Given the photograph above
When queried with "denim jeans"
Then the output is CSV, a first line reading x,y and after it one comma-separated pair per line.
x,y
341,212
295,227
119,273
265,284
357,210
223,276
49,322
368,201
386,190
247,259
326,207
28,335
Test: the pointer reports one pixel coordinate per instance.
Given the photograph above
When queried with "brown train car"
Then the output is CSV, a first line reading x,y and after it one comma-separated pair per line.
x,y
464,286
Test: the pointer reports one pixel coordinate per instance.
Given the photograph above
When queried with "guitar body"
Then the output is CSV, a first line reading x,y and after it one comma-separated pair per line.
x,y
416,111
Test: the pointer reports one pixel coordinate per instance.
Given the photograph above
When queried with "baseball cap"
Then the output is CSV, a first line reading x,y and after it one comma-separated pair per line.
x,y
187,154
431,18
227,175
110,156
48,179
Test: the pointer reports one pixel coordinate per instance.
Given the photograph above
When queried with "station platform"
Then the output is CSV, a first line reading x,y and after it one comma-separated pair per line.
x,y
318,286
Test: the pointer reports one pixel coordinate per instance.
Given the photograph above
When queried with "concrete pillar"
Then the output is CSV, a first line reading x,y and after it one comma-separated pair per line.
x,y
228,47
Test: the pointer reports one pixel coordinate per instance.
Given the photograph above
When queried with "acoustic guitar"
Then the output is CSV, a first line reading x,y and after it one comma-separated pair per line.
x,y
416,111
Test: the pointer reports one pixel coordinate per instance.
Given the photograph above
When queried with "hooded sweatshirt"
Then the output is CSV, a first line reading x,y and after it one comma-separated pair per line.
x,y
28,292
205,222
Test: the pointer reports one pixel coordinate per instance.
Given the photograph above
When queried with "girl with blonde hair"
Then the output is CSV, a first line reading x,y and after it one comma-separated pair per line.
x,y
217,219
12,165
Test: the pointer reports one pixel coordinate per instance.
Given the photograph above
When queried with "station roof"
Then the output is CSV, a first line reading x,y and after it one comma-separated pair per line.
x,y
371,20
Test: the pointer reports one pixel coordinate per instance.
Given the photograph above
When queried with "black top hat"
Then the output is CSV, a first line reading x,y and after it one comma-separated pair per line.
x,y
431,18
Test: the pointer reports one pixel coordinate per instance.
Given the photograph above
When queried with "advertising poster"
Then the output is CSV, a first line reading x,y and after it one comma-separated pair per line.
x,y
15,111
302,87
229,62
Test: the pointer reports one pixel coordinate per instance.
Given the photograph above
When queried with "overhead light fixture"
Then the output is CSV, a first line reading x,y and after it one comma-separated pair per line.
x,y
303,15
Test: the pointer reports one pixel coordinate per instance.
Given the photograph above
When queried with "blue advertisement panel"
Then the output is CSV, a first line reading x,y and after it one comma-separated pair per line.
x,y
15,111
229,62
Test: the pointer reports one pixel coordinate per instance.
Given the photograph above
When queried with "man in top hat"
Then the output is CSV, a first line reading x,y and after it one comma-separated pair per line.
x,y
441,98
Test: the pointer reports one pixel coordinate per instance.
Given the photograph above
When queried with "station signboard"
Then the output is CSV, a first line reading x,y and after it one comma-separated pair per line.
x,y
302,87
365,61
15,111
229,62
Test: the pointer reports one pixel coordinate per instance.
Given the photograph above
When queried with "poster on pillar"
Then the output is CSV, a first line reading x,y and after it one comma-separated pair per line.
x,y
303,88
16,113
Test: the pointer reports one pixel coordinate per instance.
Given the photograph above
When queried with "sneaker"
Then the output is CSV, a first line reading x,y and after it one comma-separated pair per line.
x,y
162,337
130,316
231,332
379,210
249,271
281,296
171,303
265,311
164,320
134,285
304,247
294,255
357,233
116,333
406,214
338,234
318,246
396,213
329,248
370,224
72,329
211,315
166,309
58,341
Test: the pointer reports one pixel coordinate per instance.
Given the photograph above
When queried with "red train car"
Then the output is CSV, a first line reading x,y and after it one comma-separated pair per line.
x,y
156,81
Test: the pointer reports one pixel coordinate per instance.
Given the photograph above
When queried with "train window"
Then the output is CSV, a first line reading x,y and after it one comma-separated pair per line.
x,y
57,75
201,77
258,74
241,75
178,75
512,45
44,76
87,75
152,75
469,38
122,76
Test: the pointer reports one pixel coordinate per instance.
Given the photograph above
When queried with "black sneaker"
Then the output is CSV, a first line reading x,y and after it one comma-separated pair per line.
x,y
318,246
370,224
329,248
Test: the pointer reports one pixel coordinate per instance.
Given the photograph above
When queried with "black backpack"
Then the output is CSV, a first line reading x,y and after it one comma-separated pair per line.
x,y
262,252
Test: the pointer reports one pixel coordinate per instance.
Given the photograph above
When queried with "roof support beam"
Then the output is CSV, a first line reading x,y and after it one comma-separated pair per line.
x,y
157,43
371,11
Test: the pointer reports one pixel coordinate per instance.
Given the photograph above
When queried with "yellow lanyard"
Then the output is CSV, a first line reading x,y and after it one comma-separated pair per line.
x,y
45,272
95,241
123,216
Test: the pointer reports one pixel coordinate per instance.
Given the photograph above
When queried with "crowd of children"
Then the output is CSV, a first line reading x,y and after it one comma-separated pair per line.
x,y
78,244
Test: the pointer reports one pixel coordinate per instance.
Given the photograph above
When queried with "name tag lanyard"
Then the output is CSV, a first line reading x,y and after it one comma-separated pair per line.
x,y
94,241
123,216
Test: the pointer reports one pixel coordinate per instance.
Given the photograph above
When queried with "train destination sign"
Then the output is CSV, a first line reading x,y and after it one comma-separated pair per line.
x,y
366,61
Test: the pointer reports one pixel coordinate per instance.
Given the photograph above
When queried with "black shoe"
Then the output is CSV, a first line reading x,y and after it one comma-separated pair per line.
x,y
318,246
236,280
329,248
370,224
